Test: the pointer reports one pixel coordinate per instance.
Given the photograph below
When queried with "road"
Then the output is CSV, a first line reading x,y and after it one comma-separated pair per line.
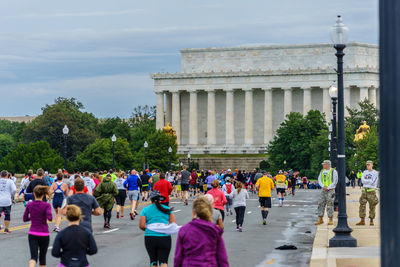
x,y
291,224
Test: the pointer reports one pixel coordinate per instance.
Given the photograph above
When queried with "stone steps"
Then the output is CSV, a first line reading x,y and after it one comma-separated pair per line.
x,y
221,163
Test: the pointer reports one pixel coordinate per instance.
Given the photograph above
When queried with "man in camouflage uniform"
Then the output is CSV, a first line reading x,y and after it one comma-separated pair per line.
x,y
327,179
370,182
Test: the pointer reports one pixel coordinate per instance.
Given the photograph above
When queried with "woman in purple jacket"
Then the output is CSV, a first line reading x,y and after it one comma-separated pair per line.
x,y
38,212
200,242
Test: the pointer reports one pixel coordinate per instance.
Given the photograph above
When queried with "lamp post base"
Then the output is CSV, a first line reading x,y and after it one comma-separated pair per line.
x,y
342,238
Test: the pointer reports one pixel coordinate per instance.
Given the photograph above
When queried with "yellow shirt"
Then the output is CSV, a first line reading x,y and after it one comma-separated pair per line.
x,y
265,185
280,181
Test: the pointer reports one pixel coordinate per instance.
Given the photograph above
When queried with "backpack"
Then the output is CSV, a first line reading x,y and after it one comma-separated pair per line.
x,y
229,188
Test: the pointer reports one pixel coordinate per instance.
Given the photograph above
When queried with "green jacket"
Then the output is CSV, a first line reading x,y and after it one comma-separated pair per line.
x,y
105,193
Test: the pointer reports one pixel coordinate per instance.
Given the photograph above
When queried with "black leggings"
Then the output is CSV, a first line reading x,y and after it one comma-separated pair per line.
x,y
240,215
38,245
222,213
107,216
158,248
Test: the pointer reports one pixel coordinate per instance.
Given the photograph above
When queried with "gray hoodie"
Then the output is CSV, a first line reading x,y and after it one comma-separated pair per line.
x,y
239,200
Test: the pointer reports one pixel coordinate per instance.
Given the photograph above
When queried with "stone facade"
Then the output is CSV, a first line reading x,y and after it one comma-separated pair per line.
x,y
232,100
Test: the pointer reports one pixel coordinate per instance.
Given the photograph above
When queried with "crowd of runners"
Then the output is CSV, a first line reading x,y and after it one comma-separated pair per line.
x,y
78,196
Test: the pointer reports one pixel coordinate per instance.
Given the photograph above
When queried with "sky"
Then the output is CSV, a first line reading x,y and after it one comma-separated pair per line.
x,y
102,52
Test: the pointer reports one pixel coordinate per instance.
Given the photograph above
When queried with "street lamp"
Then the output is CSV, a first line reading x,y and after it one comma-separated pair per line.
x,y
333,93
188,160
113,139
65,131
342,238
146,145
170,157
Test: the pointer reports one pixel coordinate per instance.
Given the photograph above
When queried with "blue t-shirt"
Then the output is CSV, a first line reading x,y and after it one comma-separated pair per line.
x,y
131,183
154,215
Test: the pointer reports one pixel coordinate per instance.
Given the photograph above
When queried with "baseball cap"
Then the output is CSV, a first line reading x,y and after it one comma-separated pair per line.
x,y
326,162
280,172
369,162
229,170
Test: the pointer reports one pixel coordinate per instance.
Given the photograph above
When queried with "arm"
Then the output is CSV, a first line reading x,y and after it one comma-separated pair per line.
x,y
320,180
220,224
142,223
97,211
224,201
56,251
26,217
49,215
172,218
170,188
334,180
92,249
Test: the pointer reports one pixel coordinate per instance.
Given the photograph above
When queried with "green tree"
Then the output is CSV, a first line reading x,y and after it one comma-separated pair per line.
x,y
14,129
319,152
292,140
7,144
157,153
116,126
98,155
32,156
366,149
142,124
83,126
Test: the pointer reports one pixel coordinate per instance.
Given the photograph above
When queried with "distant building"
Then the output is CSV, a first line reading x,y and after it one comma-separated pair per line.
x,y
232,99
19,118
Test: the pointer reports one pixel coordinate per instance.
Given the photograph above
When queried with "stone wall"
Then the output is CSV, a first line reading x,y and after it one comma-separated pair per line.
x,y
220,163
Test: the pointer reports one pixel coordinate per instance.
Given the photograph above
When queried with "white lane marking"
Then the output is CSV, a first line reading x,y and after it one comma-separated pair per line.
x,y
110,231
50,248
248,212
176,211
234,221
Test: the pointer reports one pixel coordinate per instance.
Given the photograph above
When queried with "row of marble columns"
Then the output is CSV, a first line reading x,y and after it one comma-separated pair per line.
x,y
173,112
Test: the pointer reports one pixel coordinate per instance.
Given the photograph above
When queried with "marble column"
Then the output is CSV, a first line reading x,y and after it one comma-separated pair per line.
x,y
287,101
306,100
168,108
193,130
211,126
230,119
372,95
248,117
160,110
176,115
347,95
363,93
326,103
268,116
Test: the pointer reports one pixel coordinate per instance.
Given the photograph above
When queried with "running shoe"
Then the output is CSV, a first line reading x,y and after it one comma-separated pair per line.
x,y
122,216
117,215
240,229
264,222
56,229
231,212
132,217
136,213
107,226
6,231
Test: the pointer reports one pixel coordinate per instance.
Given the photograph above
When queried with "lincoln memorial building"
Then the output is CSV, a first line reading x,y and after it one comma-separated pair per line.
x,y
232,99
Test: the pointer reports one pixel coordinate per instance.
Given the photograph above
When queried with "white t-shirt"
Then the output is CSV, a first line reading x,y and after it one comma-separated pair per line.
x,y
89,183
7,191
370,179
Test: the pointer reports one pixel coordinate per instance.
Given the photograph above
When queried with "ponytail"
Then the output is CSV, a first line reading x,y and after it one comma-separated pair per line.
x,y
238,186
161,208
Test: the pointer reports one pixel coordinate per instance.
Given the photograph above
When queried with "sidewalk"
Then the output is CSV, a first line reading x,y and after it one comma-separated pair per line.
x,y
367,252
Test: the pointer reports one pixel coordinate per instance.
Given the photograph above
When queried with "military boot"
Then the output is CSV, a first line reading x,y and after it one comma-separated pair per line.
x,y
320,221
362,222
330,221
371,222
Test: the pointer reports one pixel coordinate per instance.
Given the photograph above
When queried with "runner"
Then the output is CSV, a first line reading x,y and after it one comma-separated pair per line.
x,y
239,196
210,178
89,183
145,178
121,197
165,189
264,186
35,182
7,190
86,202
60,190
193,183
38,212
369,181
158,245
281,187
200,241
132,184
105,194
74,242
72,190
327,179
219,198
185,177
227,189
216,216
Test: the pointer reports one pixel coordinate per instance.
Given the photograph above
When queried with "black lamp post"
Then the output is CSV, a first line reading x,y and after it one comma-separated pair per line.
x,y
146,145
65,133
170,157
189,162
342,231
113,139
333,139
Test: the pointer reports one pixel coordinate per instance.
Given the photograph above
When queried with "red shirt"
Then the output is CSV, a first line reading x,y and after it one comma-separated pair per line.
x,y
165,189
193,178
72,188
